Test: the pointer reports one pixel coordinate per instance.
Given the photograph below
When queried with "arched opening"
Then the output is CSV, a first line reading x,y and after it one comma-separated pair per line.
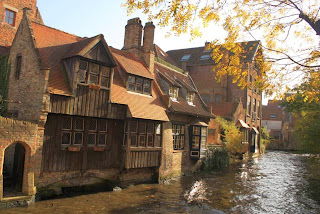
x,y
13,170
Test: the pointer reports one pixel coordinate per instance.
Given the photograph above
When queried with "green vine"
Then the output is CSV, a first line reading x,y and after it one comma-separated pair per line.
x,y
4,82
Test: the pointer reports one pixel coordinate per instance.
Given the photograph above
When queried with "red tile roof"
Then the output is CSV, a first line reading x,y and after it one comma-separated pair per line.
x,y
249,47
53,45
182,106
130,64
163,55
140,106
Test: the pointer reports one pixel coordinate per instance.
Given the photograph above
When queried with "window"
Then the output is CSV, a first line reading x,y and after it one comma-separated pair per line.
x,y
273,116
190,98
249,106
258,110
10,17
245,135
74,130
139,85
205,57
217,98
254,105
92,73
185,57
18,66
173,93
142,134
199,140
178,136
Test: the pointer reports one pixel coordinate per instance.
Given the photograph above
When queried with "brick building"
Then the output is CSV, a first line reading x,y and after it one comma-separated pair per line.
x,y
272,117
11,13
96,113
226,98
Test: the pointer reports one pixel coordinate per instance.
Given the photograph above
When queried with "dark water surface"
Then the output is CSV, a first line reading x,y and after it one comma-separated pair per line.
x,y
277,182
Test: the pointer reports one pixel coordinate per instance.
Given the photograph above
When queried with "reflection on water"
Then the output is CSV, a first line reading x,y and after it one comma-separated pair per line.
x,y
277,182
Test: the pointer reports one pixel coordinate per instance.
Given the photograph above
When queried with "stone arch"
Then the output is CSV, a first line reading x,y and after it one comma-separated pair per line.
x,y
22,163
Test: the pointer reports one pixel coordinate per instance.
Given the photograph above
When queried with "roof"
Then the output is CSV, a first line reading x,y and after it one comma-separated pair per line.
x,y
3,50
198,52
54,46
131,64
182,106
161,54
140,105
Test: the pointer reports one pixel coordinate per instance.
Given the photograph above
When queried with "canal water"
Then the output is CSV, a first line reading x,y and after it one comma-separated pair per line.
x,y
276,182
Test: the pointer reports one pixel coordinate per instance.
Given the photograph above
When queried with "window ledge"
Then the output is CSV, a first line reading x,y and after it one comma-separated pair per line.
x,y
179,151
174,100
136,93
74,148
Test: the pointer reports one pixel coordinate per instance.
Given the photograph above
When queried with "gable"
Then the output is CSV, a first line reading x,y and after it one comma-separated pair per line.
x,y
99,53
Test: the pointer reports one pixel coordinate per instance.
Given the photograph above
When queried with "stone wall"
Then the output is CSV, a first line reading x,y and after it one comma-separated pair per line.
x,y
175,163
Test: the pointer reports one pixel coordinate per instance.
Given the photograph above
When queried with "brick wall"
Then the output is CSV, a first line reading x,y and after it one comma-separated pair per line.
x,y
7,31
30,135
29,92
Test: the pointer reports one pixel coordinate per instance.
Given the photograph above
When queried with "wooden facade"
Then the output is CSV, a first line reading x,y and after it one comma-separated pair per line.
x,y
59,157
87,102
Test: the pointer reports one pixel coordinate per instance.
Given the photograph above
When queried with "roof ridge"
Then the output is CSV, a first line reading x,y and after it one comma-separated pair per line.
x,y
165,66
70,34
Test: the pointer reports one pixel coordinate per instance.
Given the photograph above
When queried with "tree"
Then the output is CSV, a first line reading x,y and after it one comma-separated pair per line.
x,y
305,105
232,136
282,25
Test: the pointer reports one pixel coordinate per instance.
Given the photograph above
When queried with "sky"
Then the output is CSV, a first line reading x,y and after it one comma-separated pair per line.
x,y
107,17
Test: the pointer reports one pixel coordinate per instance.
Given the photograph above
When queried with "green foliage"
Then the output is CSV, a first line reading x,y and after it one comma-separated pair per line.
x,y
157,59
4,81
216,159
232,136
305,106
265,139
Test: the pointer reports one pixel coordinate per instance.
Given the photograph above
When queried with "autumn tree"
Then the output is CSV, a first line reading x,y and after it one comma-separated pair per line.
x,y
305,106
289,31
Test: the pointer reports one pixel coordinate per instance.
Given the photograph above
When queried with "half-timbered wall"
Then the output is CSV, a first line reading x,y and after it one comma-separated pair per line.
x,y
60,154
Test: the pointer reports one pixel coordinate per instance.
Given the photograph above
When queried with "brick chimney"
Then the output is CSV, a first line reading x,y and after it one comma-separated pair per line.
x,y
133,34
148,37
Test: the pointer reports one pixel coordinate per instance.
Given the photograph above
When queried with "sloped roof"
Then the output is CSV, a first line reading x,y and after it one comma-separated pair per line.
x,y
196,53
140,105
131,64
55,45
161,54
182,106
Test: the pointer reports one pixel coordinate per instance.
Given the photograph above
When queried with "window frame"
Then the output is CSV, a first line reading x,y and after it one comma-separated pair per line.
x,y
178,137
174,93
249,106
88,73
85,131
196,152
18,66
190,98
135,84
13,19
145,134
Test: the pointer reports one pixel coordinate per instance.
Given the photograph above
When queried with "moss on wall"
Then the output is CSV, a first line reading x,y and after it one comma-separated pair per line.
x,y
4,81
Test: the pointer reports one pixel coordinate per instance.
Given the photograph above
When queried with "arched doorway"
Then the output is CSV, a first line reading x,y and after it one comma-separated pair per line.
x,y
13,170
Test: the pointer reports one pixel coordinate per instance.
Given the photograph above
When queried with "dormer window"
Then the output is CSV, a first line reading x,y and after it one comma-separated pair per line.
x,y
185,57
190,98
139,84
93,73
173,93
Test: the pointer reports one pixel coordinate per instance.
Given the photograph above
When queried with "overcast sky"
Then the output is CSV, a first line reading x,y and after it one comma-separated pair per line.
x,y
89,18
